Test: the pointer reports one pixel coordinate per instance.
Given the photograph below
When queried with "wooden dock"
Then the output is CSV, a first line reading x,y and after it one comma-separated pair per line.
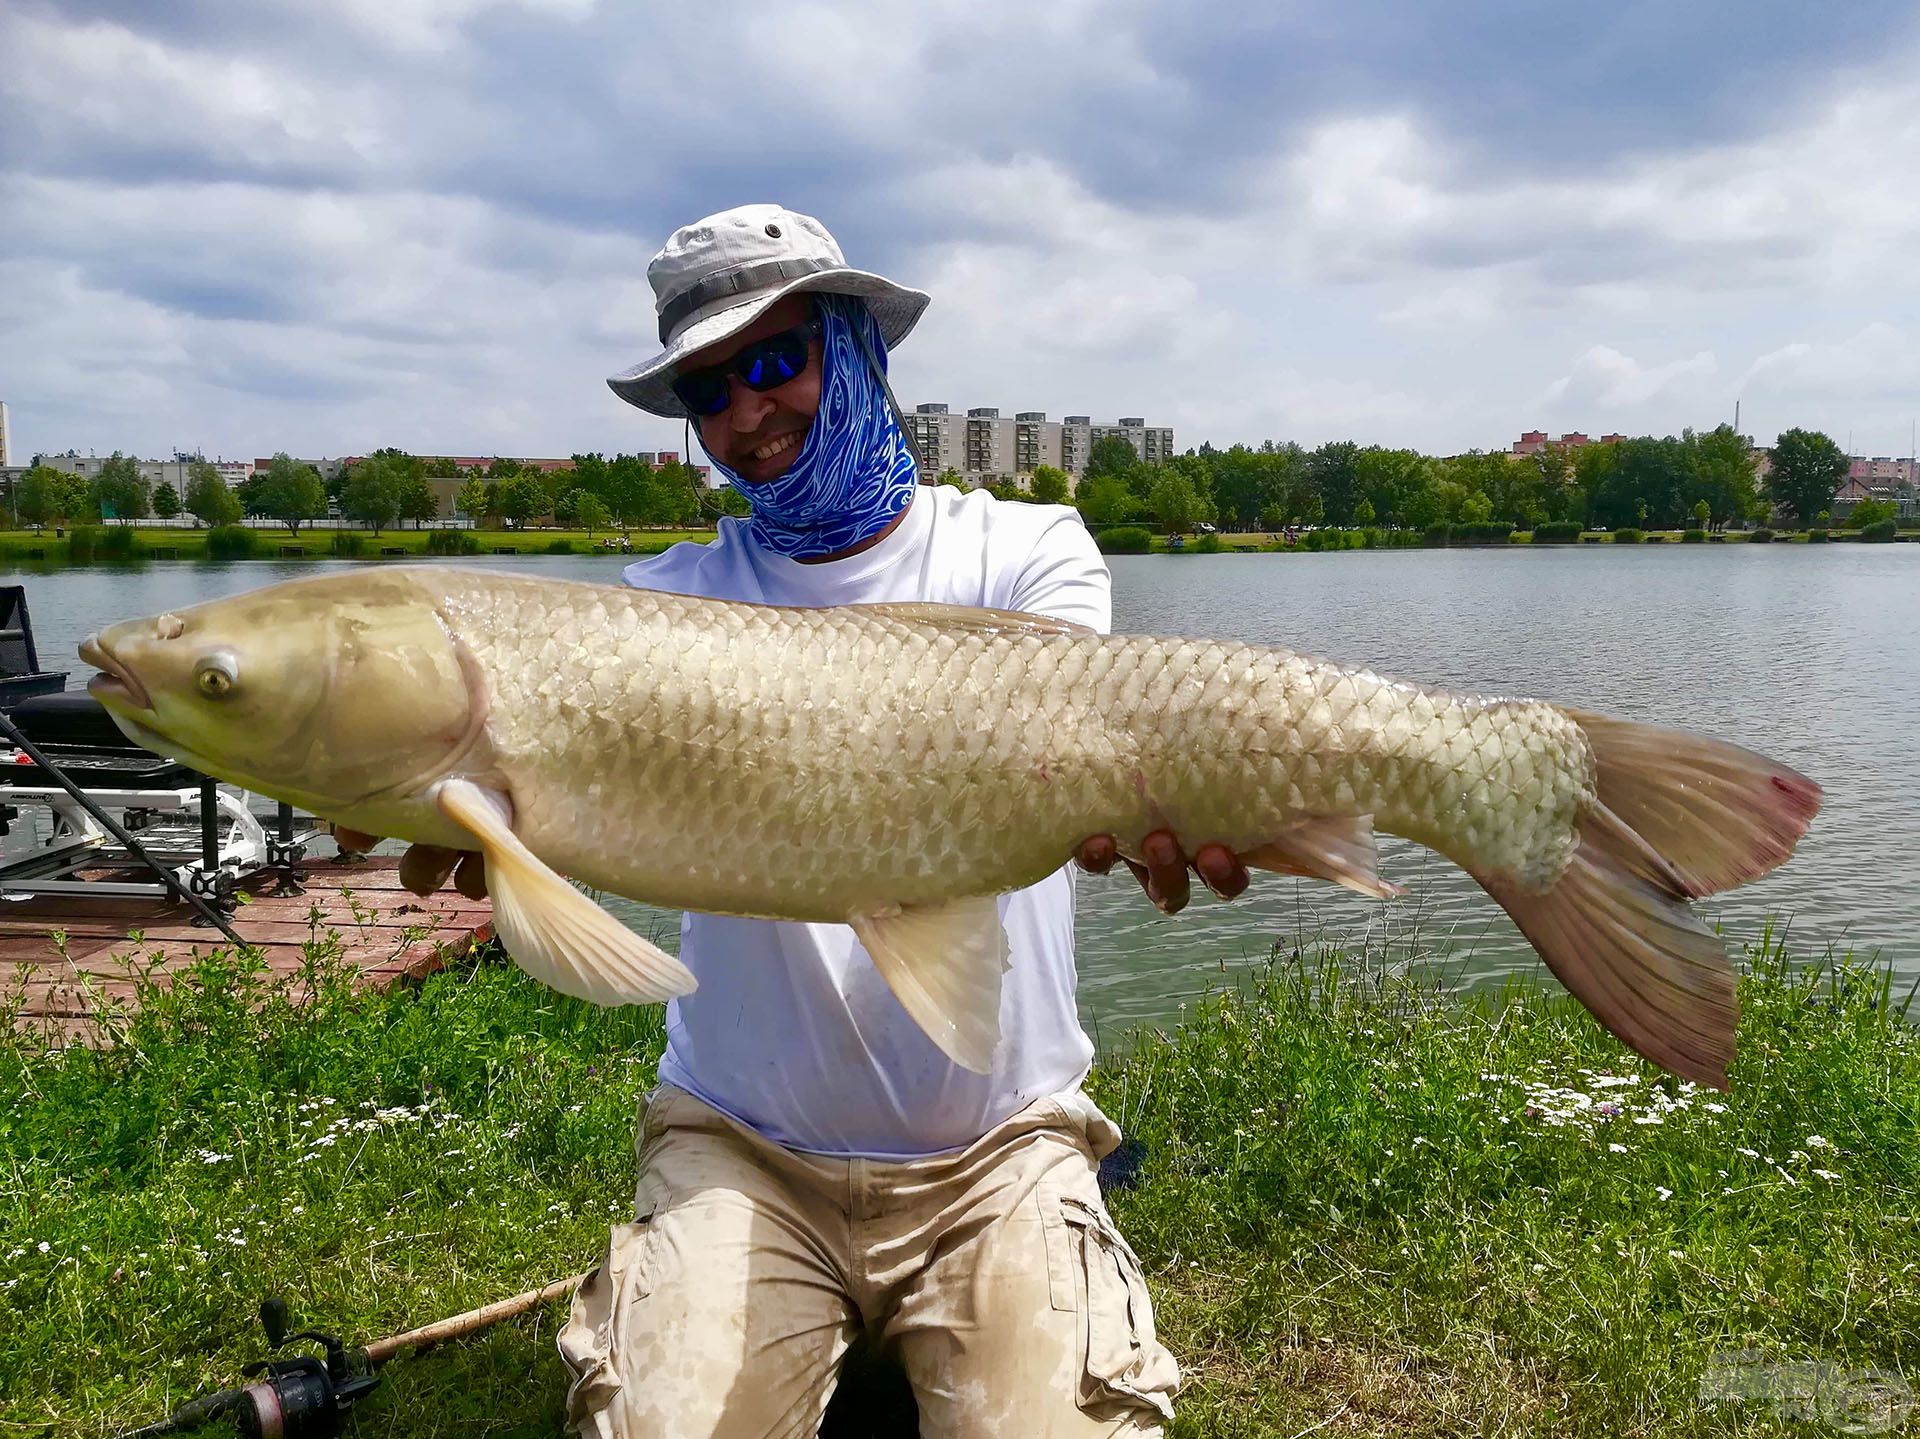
x,y
386,934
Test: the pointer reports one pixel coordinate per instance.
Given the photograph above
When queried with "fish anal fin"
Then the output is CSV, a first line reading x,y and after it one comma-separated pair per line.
x,y
970,617
1616,930
943,963
1339,848
553,931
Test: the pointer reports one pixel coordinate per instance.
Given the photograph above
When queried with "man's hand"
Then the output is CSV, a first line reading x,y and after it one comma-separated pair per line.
x,y
1164,875
425,867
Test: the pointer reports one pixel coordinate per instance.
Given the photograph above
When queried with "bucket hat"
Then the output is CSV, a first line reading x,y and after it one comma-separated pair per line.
x,y
716,276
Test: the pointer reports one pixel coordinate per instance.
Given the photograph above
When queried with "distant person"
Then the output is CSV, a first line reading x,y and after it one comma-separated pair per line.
x,y
811,1166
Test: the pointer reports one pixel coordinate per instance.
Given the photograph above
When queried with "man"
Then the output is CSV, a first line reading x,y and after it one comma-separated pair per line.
x,y
811,1165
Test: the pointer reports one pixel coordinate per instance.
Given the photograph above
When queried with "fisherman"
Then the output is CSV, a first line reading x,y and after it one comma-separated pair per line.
x,y
811,1166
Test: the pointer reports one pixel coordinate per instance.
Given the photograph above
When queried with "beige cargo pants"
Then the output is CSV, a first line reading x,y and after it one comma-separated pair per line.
x,y
995,1275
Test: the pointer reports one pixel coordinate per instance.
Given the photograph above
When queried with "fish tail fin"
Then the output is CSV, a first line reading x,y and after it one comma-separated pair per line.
x,y
1677,817
1718,814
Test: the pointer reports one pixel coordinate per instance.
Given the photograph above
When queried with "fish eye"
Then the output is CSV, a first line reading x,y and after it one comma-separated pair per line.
x,y
216,675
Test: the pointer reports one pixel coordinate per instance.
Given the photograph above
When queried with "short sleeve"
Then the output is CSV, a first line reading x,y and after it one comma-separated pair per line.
x,y
1064,575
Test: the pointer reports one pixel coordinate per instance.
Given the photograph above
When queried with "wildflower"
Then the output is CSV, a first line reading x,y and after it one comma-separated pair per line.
x,y
1648,1119
1826,1174
1750,1153
1716,1109
1815,1141
1616,1149
44,1246
1663,1191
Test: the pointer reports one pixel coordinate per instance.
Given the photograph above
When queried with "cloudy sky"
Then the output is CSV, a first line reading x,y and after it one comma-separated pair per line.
x,y
328,225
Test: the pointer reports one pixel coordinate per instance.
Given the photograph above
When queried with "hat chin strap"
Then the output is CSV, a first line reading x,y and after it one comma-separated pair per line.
x,y
880,374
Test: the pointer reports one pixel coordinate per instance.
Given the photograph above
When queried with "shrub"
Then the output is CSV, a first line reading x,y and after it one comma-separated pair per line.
x,y
1761,536
1557,532
118,543
83,541
559,547
347,544
1208,545
1496,533
1628,536
1693,537
453,542
1880,532
230,542
1816,537
1438,535
1124,540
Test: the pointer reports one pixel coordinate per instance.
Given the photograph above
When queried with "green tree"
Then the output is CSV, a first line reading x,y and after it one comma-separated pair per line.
x,y
1556,483
1388,480
375,488
209,499
1476,508
1110,455
1808,469
1331,472
47,496
1722,476
472,499
590,512
1872,512
504,469
1363,512
674,496
1105,500
418,501
1174,503
120,490
1050,485
523,498
951,476
166,502
290,492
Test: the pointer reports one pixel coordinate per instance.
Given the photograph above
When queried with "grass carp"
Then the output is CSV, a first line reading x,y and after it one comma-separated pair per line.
x,y
894,767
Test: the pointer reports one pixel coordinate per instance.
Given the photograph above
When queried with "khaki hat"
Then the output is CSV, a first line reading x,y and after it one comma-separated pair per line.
x,y
718,275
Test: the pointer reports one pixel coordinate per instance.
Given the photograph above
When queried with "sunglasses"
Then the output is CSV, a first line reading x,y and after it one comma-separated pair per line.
x,y
765,364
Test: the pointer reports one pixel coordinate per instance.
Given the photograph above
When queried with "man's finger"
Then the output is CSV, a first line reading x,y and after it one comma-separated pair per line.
x,y
358,841
425,867
471,877
1096,855
1220,869
1166,871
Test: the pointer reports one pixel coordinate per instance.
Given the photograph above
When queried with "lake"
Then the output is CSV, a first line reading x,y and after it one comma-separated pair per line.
x,y
1807,653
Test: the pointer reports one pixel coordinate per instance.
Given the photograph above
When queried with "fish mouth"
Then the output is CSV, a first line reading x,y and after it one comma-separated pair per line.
x,y
115,685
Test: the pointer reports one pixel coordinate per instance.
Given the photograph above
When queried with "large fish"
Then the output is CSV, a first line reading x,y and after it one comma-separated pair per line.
x,y
894,767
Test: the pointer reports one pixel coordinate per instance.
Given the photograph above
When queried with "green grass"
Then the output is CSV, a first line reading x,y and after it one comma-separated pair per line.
x,y
19,546
1363,1197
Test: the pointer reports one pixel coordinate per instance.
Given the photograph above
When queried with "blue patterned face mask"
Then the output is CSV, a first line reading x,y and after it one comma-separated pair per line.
x,y
856,471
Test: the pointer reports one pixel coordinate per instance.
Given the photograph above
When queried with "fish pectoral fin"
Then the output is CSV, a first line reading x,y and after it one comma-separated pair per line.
x,y
972,617
552,930
1335,847
943,963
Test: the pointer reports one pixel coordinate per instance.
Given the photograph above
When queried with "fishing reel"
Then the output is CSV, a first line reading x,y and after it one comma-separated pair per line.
x,y
301,1398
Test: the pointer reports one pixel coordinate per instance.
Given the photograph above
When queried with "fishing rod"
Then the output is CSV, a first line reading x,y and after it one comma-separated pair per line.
x,y
113,827
307,1397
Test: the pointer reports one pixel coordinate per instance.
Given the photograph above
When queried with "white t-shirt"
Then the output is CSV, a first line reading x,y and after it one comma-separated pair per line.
x,y
792,1031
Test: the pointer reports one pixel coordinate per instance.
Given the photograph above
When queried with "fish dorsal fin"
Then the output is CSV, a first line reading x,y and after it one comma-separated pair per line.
x,y
552,930
968,617
943,963
1336,847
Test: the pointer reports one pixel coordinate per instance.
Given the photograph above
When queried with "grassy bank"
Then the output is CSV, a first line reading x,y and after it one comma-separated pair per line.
x,y
24,548
1264,543
1366,1205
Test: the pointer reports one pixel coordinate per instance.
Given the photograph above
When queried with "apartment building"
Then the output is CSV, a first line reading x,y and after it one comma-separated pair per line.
x,y
985,446
6,438
172,472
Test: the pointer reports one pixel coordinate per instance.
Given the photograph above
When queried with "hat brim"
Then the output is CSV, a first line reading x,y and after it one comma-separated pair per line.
x,y
648,385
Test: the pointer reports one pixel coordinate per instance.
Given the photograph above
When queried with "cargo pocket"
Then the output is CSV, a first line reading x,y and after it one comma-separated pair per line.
x,y
591,1340
1092,1271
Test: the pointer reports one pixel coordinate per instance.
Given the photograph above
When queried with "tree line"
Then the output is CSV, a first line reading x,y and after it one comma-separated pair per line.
x,y
1705,480
387,487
